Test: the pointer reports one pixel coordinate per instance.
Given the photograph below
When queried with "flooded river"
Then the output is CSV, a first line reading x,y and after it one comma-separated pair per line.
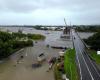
x,y
10,70
52,37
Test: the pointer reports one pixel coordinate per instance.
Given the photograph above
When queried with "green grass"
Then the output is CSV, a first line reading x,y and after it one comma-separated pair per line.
x,y
94,56
70,65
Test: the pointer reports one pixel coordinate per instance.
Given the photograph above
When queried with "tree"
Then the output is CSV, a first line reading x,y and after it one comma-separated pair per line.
x,y
94,41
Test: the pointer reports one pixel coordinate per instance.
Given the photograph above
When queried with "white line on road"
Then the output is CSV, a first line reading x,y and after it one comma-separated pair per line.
x,y
79,66
85,63
78,61
91,63
26,54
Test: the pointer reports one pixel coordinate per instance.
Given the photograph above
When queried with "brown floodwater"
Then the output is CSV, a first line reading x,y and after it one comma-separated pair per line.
x,y
10,70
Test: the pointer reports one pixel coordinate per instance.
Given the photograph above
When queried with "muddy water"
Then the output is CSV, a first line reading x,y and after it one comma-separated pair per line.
x,y
85,35
52,37
10,70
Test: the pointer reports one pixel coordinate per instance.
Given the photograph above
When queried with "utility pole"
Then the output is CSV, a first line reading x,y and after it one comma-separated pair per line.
x,y
65,22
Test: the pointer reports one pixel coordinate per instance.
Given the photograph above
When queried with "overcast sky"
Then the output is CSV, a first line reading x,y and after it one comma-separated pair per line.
x,y
49,12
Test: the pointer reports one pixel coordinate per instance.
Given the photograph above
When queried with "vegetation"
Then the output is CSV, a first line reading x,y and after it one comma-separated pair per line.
x,y
88,28
94,56
94,41
70,65
28,36
39,27
10,42
36,36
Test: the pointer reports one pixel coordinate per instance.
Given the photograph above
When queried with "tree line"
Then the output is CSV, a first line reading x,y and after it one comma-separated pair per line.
x,y
94,41
11,42
88,28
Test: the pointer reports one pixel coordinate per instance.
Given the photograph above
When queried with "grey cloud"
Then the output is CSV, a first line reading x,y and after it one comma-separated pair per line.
x,y
19,5
31,5
40,11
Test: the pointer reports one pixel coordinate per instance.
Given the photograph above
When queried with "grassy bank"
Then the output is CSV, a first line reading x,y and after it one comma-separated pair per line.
x,y
94,56
36,36
70,65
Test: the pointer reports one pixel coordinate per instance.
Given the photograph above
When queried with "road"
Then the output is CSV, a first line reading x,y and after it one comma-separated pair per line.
x,y
10,70
87,68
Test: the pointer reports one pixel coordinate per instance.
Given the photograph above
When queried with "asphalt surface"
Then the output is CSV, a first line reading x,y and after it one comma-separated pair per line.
x,y
88,69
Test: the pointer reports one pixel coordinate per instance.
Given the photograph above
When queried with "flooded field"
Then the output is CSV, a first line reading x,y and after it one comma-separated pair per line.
x,y
52,37
10,70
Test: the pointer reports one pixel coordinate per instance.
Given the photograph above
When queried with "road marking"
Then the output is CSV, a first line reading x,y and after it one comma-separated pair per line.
x,y
26,54
78,60
92,64
85,63
79,66
89,60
